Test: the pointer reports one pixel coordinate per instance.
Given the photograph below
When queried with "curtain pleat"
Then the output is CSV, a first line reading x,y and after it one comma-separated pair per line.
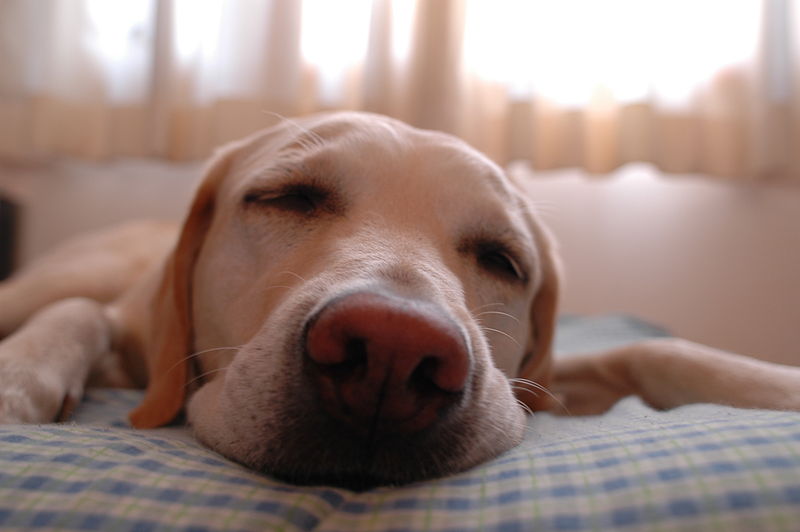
x,y
538,81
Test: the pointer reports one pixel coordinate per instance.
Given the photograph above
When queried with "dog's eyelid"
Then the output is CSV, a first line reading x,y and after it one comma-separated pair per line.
x,y
271,192
295,197
284,189
498,257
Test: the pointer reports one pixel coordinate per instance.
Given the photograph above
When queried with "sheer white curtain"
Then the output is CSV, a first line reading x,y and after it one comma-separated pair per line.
x,y
705,86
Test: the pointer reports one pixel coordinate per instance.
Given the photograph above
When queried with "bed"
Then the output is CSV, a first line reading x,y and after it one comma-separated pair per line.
x,y
700,467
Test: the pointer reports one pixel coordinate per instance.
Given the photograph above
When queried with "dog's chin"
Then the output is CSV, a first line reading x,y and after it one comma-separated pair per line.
x,y
333,454
303,445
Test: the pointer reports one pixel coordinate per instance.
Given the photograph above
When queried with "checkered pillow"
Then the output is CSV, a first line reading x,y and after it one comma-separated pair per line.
x,y
694,468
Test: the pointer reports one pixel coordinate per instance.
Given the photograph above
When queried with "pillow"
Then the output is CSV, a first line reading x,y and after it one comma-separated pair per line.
x,y
695,467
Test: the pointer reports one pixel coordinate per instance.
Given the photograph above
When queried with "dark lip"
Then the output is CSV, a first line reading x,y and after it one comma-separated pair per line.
x,y
327,452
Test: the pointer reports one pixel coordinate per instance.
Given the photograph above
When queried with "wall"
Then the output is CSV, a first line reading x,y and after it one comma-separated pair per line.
x,y
714,262
58,200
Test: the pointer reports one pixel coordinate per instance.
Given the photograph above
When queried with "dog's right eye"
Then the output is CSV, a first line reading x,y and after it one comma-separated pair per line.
x,y
299,199
500,263
496,258
299,203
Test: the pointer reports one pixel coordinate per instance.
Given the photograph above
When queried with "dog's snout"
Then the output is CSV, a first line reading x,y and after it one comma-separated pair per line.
x,y
386,363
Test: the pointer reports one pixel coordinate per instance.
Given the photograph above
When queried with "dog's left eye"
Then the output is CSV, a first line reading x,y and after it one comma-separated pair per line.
x,y
295,202
299,199
499,262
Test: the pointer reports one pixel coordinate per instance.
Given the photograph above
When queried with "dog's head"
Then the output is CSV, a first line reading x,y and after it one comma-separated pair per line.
x,y
361,293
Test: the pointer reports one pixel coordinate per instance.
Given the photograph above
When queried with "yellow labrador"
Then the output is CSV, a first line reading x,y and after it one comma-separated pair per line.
x,y
350,301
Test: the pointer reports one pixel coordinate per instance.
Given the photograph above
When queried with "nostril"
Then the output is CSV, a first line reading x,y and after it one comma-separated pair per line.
x,y
349,362
423,378
355,350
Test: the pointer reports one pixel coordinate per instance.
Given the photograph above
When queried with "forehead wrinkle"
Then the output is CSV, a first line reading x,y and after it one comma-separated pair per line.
x,y
336,148
354,132
313,161
499,184
454,156
297,148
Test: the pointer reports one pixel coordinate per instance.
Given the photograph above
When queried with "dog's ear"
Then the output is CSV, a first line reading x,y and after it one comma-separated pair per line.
x,y
537,364
171,334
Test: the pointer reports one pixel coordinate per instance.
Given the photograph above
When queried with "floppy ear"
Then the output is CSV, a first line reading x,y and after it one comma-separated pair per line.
x,y
537,364
171,335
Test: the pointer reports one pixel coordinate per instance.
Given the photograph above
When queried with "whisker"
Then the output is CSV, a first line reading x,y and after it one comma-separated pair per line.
x,y
525,407
203,375
499,313
531,387
312,138
299,277
528,429
278,286
524,389
531,384
198,353
498,331
211,349
476,309
279,116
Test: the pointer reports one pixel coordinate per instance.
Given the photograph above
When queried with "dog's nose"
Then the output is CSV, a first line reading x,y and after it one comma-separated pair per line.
x,y
386,363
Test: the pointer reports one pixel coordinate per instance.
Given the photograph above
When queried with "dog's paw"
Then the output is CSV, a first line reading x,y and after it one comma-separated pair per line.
x,y
29,396
591,384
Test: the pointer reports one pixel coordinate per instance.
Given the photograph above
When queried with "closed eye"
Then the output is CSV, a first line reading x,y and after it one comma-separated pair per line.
x,y
498,261
296,198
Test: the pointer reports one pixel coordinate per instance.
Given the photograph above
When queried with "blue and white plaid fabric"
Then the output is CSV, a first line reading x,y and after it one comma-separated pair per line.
x,y
699,467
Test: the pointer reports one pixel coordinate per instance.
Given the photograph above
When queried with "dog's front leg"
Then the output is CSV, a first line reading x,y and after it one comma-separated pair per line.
x,y
45,364
669,372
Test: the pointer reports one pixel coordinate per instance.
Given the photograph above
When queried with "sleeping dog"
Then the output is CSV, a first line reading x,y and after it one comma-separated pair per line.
x,y
349,301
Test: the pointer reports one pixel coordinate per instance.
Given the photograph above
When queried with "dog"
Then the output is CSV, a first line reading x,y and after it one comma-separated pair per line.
x,y
349,301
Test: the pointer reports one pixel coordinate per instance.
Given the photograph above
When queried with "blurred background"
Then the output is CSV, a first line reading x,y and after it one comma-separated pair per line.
x,y
660,138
